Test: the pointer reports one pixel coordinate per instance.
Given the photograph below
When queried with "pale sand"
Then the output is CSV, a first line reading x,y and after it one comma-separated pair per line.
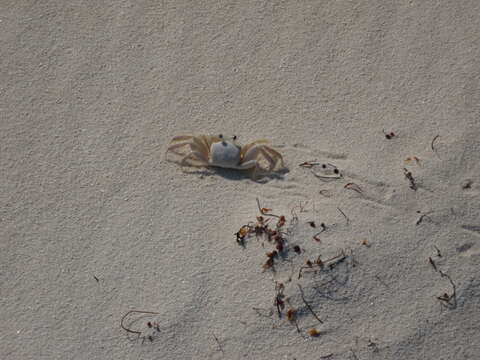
x,y
91,94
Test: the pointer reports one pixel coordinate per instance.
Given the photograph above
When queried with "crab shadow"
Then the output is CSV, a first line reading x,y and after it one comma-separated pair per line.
x,y
237,175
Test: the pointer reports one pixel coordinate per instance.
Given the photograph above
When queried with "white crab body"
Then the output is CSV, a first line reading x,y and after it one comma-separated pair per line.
x,y
225,154
220,151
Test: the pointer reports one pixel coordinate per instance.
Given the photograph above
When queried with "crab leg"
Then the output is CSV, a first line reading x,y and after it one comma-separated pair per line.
x,y
249,159
176,146
270,155
247,147
271,162
195,144
275,154
196,157
201,147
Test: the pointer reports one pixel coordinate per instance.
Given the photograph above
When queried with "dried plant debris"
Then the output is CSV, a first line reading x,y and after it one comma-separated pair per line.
x,y
279,301
147,331
389,135
365,243
343,214
319,264
273,232
467,184
314,332
242,234
409,176
300,280
309,164
308,305
424,216
354,187
448,300
409,160
432,145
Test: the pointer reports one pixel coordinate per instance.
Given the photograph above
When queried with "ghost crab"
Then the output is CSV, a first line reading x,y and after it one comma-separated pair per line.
x,y
225,152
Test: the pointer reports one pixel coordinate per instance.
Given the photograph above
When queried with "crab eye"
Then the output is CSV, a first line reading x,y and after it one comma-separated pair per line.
x,y
234,137
220,136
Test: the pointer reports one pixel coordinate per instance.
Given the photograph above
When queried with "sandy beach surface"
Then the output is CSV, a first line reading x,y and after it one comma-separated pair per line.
x,y
95,223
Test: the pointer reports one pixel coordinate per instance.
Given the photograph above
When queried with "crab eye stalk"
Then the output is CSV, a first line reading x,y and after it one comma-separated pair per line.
x,y
220,136
234,137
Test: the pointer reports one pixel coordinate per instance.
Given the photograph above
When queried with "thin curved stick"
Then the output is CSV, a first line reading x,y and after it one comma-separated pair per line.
x,y
263,212
308,305
432,145
131,312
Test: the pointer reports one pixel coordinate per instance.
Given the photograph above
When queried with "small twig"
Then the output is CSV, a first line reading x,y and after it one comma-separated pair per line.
x,y
354,187
326,356
218,343
137,312
316,238
446,298
296,325
433,148
332,262
410,178
309,164
96,278
308,305
345,216
420,219
433,263
324,228
301,269
279,303
423,216
264,211
439,254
